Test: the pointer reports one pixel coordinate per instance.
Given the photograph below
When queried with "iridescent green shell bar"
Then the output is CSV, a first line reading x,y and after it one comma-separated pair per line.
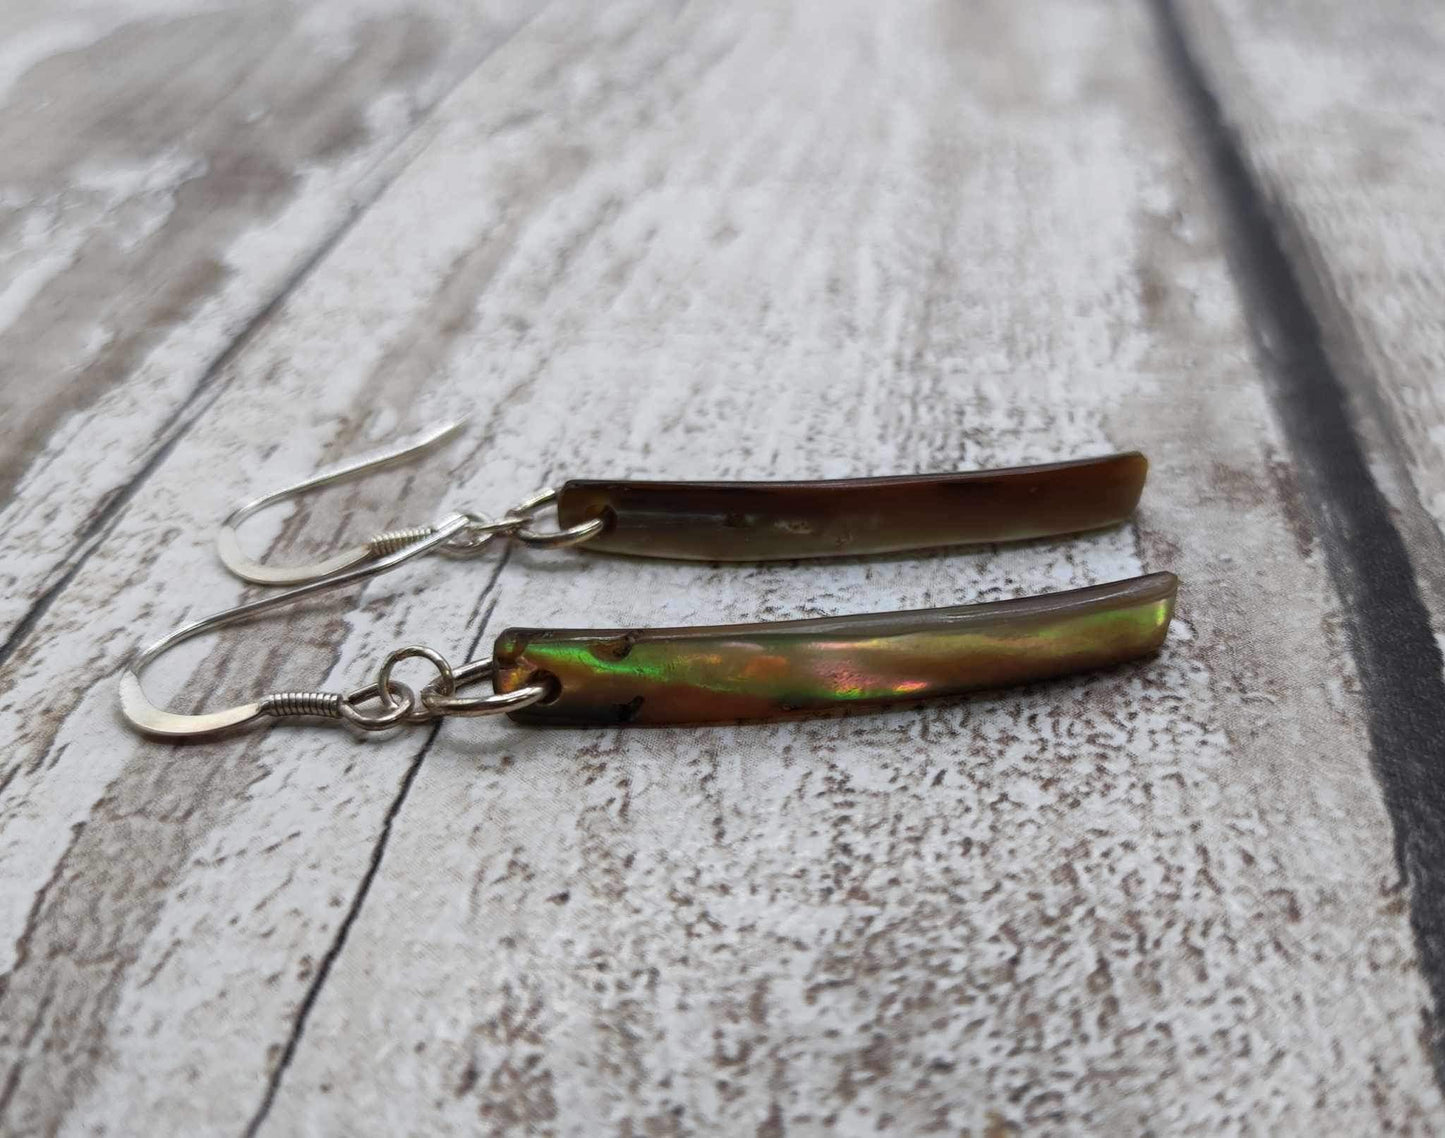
x,y
767,671
761,521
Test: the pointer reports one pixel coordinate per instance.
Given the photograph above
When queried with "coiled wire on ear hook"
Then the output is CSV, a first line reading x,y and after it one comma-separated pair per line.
x,y
460,534
398,702
474,536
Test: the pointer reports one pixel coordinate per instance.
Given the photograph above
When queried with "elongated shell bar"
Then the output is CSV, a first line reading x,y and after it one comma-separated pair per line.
x,y
762,521
765,671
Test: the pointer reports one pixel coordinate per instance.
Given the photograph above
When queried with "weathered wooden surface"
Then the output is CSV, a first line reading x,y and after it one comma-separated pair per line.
x,y
169,167
791,241
1337,104
1315,123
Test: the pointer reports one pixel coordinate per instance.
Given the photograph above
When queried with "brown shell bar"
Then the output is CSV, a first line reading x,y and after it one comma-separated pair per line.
x,y
766,671
763,521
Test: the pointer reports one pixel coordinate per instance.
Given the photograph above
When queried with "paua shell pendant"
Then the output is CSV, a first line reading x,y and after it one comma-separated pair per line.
x,y
767,521
766,671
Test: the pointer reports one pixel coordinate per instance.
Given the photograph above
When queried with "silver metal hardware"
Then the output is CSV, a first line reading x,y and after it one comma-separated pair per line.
x,y
386,702
398,702
478,533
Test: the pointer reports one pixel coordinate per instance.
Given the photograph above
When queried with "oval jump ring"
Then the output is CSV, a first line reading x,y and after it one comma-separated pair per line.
x,y
494,704
558,539
398,710
480,532
445,682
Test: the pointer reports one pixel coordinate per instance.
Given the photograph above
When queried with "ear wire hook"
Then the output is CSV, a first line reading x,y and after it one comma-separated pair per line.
x,y
235,559
465,541
399,702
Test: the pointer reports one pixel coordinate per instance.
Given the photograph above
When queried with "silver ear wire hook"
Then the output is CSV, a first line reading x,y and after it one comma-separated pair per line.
x,y
229,546
470,539
398,702
460,534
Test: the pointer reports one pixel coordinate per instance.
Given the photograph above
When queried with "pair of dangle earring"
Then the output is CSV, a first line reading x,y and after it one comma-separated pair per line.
x,y
721,673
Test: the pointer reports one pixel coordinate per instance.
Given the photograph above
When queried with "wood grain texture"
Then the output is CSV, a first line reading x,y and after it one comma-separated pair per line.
x,y
171,167
1352,414
1336,106
1159,898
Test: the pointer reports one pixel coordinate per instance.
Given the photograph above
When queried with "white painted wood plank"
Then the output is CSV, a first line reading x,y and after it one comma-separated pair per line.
x,y
790,241
170,165
1337,106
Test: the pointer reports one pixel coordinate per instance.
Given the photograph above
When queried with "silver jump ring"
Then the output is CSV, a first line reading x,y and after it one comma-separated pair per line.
x,y
479,533
400,703
557,539
385,686
446,681
494,704
439,702
563,538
